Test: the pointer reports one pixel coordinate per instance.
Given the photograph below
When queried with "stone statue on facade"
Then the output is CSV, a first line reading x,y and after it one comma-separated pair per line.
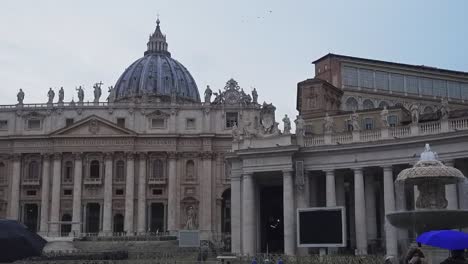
x,y
235,133
111,96
355,121
20,96
61,95
384,117
428,155
190,224
300,124
444,109
328,124
414,109
97,91
287,125
208,94
254,96
80,94
51,95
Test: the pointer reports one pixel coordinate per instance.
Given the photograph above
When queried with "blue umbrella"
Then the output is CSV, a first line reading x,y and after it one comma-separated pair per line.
x,y
448,239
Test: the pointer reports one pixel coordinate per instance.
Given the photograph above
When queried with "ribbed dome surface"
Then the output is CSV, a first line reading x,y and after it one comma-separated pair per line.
x,y
156,75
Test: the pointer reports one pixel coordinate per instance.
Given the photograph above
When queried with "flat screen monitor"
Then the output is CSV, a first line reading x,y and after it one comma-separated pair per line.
x,y
321,227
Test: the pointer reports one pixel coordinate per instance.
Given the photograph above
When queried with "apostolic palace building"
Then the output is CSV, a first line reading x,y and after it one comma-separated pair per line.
x,y
155,158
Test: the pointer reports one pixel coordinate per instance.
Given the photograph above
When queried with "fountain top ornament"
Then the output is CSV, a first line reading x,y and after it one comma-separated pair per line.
x,y
430,168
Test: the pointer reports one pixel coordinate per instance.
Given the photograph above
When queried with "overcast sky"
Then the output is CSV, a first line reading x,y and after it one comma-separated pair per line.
x,y
264,44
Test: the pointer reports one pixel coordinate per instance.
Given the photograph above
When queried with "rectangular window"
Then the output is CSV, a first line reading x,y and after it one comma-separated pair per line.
x,y
231,119
34,124
454,89
69,122
440,88
158,123
392,120
157,191
119,192
397,83
368,123
3,124
121,122
381,80
412,84
350,76
67,192
464,90
190,123
31,192
348,125
426,86
366,78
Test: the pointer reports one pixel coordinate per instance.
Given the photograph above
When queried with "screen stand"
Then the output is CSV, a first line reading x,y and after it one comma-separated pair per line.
x,y
322,252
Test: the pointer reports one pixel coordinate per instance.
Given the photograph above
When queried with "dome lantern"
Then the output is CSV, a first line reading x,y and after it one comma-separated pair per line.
x,y
157,42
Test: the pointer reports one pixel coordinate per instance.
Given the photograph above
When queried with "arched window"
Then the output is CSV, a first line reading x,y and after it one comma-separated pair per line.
x,y
190,169
120,171
368,123
351,104
383,104
157,169
368,104
68,176
33,170
94,169
3,172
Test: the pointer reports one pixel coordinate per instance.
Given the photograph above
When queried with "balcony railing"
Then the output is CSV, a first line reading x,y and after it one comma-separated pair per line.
x,y
387,133
157,181
31,182
92,181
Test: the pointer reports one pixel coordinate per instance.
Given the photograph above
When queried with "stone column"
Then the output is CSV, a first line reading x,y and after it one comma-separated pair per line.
x,y
451,192
340,190
55,204
172,221
360,212
107,207
371,217
45,194
288,214
142,194
248,215
129,194
15,188
206,199
330,188
236,214
77,190
391,237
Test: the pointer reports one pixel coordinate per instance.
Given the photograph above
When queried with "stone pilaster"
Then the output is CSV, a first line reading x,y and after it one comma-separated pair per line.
x,y
141,227
248,215
330,187
107,207
288,214
391,237
77,191
13,212
205,193
172,219
45,194
236,214
56,186
129,193
360,212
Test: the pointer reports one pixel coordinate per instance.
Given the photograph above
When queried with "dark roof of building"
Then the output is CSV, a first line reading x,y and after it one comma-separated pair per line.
x,y
415,67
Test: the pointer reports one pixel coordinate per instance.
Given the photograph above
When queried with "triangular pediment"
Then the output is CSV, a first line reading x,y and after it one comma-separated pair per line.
x,y
93,126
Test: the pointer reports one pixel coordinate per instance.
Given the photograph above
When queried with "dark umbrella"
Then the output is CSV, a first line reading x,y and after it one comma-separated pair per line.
x,y
17,242
448,239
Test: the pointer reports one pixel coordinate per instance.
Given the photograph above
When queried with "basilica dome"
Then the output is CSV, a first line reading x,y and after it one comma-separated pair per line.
x,y
156,76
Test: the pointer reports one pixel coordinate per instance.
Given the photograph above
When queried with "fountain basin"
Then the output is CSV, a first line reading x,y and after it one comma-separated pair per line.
x,y
429,219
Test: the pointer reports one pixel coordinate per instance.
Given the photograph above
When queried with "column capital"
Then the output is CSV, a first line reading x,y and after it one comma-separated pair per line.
x,y
329,171
387,167
142,155
172,155
287,171
130,155
108,155
57,156
78,155
46,155
247,175
206,155
357,170
16,156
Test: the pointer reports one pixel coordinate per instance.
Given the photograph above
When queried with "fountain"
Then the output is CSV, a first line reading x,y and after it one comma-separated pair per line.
x,y
430,176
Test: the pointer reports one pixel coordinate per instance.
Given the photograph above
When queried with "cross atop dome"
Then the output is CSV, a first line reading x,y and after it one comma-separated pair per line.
x,y
157,41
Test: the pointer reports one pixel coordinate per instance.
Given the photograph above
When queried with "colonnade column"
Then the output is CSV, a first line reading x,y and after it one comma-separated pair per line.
x,y
107,208
129,193
451,192
371,214
13,212
391,237
77,190
45,194
236,214
248,215
172,221
360,212
288,213
55,204
141,228
330,188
